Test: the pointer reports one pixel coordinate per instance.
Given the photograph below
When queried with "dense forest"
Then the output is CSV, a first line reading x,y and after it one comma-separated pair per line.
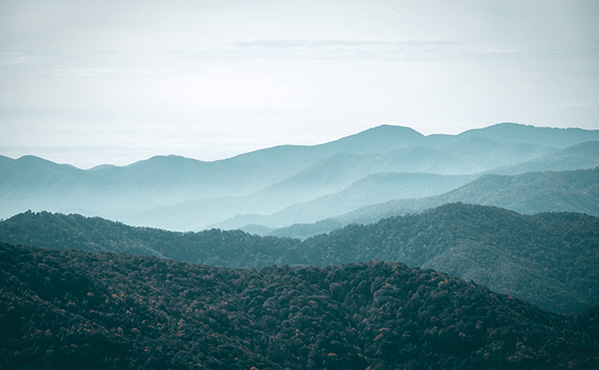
x,y
60,308
549,259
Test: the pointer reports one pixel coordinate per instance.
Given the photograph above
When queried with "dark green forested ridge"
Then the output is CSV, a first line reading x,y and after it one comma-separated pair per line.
x,y
216,247
104,310
549,259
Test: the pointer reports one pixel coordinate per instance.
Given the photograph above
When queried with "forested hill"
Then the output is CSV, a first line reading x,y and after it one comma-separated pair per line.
x,y
549,259
214,247
60,308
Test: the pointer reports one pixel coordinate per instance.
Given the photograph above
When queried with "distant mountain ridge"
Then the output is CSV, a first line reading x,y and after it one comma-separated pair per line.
x,y
548,259
265,182
517,133
580,156
375,188
531,192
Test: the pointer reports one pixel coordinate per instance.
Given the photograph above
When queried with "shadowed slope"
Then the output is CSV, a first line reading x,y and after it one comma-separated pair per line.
x,y
61,308
548,259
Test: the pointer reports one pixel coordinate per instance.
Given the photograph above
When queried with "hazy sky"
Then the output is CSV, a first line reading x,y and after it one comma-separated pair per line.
x,y
90,82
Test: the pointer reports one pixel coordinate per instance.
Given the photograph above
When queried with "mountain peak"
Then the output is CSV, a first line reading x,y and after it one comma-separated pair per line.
x,y
510,132
165,160
378,139
390,129
31,161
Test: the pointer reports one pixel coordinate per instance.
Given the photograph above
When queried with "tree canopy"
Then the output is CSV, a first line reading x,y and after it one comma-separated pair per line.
x,y
121,311
549,259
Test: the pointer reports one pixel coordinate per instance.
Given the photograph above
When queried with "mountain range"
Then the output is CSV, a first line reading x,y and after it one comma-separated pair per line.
x,y
549,259
274,187
528,193
387,249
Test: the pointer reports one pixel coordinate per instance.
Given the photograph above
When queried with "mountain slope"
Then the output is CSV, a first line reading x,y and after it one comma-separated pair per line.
x,y
330,175
526,256
380,139
32,182
215,247
269,180
295,200
125,192
517,133
579,156
487,153
534,192
470,155
548,259
61,308
378,187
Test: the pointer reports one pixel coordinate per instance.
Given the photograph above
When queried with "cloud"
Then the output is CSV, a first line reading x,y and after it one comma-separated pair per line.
x,y
83,72
395,51
15,59
346,49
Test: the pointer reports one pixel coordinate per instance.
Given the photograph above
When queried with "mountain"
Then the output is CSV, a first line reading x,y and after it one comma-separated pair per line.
x,y
534,192
30,182
579,156
375,188
508,132
528,193
307,196
522,255
332,174
61,308
486,153
548,259
221,248
379,139
264,182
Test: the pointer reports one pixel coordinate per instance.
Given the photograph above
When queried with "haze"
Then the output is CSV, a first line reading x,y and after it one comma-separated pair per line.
x,y
88,83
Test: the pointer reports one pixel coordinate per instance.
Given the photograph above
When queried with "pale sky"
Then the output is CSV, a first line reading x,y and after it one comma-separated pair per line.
x,y
92,82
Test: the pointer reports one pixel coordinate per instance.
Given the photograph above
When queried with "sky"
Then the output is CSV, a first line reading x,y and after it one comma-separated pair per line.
x,y
94,82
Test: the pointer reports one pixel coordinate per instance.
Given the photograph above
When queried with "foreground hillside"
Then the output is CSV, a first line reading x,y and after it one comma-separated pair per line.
x,y
60,308
549,259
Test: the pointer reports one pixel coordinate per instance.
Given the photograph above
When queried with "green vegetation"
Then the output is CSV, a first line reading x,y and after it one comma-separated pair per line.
x,y
151,298
60,308
549,259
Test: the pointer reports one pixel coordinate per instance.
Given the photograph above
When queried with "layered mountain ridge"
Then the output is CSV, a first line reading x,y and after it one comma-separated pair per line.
x,y
548,258
514,208
179,193
528,193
